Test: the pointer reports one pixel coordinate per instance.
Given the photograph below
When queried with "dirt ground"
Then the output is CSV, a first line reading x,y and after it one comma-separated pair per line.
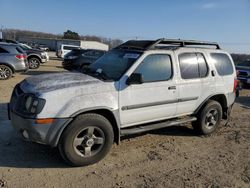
x,y
171,157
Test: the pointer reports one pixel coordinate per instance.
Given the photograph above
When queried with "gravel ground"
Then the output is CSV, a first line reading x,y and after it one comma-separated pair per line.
x,y
170,157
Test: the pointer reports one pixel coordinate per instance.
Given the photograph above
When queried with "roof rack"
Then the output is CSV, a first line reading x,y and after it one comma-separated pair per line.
x,y
151,44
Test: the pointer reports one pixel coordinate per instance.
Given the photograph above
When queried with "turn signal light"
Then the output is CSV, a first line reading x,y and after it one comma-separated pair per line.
x,y
44,121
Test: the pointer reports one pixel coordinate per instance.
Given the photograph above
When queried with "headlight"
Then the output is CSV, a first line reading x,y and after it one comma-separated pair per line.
x,y
43,54
30,104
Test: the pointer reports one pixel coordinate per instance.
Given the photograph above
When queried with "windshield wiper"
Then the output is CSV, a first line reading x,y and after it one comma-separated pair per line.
x,y
95,73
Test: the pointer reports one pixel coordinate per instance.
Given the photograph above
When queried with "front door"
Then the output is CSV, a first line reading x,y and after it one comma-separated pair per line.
x,y
155,98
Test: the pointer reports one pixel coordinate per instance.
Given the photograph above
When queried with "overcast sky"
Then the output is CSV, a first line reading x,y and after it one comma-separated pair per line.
x,y
224,21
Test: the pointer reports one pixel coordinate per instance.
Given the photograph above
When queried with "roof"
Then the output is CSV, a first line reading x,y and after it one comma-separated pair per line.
x,y
165,44
8,44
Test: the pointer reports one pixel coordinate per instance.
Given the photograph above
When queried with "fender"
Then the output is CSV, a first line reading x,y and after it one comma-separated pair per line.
x,y
206,100
54,140
38,56
9,65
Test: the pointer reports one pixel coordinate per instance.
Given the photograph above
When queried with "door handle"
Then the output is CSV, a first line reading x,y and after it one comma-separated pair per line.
x,y
171,87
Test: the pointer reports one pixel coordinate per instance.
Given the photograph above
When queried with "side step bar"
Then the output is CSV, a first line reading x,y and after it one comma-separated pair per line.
x,y
150,127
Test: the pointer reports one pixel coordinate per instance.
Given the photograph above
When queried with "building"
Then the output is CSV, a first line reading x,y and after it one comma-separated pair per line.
x,y
54,44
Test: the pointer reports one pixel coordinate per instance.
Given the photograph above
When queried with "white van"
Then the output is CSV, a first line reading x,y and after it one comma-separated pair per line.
x,y
64,49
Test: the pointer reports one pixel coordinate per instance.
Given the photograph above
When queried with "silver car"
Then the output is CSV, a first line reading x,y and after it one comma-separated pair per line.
x,y
12,59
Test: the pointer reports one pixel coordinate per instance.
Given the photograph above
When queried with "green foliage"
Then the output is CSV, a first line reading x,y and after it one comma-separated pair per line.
x,y
71,35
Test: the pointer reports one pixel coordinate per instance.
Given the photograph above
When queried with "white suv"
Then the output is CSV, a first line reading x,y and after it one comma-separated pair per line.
x,y
64,49
138,86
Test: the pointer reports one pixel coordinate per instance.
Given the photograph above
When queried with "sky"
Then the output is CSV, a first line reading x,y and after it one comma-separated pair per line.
x,y
223,21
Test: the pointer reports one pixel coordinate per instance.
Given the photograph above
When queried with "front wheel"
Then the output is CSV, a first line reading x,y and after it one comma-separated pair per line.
x,y
87,140
34,63
209,118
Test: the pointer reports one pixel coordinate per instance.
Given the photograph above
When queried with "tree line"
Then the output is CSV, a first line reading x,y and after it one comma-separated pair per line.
x,y
14,34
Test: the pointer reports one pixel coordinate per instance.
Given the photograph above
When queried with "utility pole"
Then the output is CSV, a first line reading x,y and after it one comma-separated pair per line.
x,y
1,32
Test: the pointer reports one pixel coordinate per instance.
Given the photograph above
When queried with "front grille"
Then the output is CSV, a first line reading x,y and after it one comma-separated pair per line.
x,y
243,74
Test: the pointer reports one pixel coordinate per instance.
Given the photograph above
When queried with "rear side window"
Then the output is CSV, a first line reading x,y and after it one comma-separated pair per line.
x,y
193,65
156,67
19,50
3,51
222,63
189,66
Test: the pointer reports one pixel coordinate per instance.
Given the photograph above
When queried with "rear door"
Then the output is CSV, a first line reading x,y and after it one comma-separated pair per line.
x,y
193,72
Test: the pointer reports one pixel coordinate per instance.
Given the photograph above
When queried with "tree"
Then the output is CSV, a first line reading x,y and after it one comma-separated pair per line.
x,y
71,35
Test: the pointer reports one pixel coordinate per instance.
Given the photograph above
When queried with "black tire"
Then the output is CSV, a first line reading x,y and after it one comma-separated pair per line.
x,y
5,72
34,62
208,118
79,147
84,67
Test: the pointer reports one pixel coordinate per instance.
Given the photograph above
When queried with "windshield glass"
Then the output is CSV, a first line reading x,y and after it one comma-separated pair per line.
x,y
25,47
115,63
245,64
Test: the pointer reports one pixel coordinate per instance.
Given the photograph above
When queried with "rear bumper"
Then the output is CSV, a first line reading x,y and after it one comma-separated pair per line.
x,y
47,134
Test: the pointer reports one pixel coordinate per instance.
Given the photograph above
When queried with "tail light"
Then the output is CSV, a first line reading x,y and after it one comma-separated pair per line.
x,y
21,56
235,84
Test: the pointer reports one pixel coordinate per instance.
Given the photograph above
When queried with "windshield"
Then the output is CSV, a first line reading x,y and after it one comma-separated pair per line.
x,y
114,63
25,47
245,64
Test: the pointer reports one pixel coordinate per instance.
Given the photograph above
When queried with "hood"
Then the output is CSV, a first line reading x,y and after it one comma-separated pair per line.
x,y
34,51
57,81
243,68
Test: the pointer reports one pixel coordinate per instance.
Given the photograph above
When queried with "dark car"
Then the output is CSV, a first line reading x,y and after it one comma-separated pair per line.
x,y
243,72
12,59
79,58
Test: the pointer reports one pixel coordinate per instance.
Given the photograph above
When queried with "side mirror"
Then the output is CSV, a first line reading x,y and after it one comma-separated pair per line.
x,y
135,78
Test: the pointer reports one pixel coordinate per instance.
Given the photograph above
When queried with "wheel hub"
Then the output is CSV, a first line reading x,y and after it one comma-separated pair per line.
x,y
90,142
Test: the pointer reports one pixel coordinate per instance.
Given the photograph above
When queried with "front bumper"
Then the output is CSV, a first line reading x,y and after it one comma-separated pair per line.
x,y
48,134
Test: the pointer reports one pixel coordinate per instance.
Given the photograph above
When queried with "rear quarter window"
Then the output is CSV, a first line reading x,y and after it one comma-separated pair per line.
x,y
222,63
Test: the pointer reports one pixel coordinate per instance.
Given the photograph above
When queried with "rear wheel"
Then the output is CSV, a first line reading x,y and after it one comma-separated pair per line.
x,y
209,118
5,72
87,140
34,63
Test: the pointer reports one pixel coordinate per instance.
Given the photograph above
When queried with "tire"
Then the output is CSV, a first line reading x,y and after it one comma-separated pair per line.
x,y
84,67
209,118
34,63
5,72
86,140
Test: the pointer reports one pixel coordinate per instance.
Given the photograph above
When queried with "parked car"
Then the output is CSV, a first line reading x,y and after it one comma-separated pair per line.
x,y
12,59
139,86
64,49
80,58
43,47
35,57
243,70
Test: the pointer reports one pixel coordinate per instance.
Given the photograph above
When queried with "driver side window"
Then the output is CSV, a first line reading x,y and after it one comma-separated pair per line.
x,y
155,67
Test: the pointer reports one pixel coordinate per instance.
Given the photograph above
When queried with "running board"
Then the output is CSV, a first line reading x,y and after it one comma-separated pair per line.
x,y
150,127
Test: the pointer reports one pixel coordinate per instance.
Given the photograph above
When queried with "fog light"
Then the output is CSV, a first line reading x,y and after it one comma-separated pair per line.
x,y
25,134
